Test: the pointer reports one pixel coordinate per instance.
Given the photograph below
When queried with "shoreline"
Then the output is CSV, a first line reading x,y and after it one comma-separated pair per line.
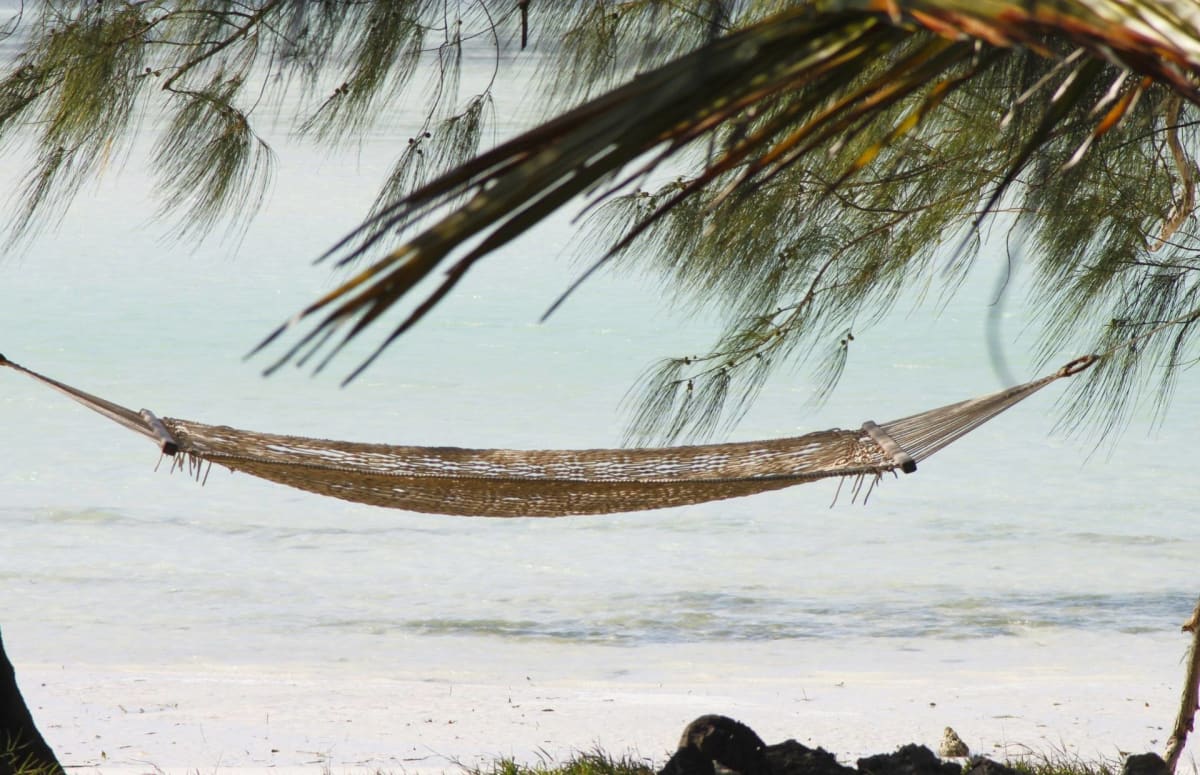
x,y
472,701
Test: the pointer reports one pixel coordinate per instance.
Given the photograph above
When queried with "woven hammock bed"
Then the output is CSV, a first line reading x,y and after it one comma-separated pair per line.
x,y
555,483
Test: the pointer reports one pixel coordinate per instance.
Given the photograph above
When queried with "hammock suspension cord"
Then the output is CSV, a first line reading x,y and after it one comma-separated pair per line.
x,y
509,483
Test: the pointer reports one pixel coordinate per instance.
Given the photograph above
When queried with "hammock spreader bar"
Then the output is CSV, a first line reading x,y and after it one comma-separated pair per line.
x,y
555,483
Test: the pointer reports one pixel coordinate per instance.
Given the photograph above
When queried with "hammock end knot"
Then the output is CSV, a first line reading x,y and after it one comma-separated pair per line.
x,y
900,458
1079,364
166,441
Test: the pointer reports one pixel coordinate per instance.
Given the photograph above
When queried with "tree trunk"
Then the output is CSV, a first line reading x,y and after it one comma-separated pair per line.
x,y
1184,722
22,747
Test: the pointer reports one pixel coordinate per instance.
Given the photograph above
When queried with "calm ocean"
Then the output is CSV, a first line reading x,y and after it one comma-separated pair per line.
x,y
1010,534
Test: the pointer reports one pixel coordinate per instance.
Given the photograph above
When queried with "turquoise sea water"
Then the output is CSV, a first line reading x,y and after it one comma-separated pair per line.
x,y
1010,534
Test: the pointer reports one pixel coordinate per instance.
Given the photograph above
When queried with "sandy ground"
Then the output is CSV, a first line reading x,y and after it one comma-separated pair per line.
x,y
469,702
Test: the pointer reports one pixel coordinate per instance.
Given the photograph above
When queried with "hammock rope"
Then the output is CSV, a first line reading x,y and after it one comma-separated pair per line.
x,y
554,483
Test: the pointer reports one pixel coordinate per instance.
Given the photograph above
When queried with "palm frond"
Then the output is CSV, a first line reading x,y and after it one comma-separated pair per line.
x,y
812,97
522,181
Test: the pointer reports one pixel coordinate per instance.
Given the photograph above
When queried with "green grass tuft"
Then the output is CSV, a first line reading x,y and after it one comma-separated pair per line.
x,y
1064,765
596,763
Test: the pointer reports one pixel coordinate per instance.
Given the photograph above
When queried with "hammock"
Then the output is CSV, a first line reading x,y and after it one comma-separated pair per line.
x,y
554,483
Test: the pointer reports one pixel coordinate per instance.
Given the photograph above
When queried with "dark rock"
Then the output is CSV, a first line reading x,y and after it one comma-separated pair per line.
x,y
1145,764
912,759
720,739
793,758
688,761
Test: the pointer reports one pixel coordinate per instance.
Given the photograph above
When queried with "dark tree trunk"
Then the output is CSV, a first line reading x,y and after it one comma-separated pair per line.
x,y
22,747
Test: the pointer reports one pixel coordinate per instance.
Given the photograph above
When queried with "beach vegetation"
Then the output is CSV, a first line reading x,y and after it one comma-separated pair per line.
x,y
1061,763
799,166
19,757
590,763
602,763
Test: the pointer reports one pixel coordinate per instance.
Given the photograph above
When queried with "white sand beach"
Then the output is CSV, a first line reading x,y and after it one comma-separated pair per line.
x,y
474,700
